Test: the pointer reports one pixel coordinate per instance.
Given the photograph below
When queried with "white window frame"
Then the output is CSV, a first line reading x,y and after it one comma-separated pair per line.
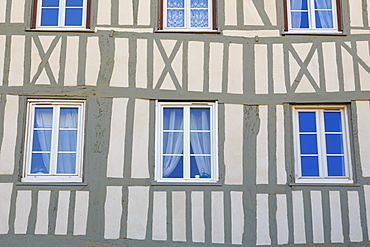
x,y
53,177
61,19
312,20
187,18
214,141
323,178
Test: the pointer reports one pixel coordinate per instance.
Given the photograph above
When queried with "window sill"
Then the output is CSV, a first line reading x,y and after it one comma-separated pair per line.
x,y
186,183
323,185
313,33
188,31
59,30
49,184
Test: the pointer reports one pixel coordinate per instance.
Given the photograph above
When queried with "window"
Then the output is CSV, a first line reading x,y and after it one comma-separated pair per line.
x,y
61,14
188,15
312,16
322,144
186,142
54,141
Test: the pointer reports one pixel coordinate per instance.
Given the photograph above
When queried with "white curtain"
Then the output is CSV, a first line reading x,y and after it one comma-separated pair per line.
x,y
200,141
297,17
325,17
173,143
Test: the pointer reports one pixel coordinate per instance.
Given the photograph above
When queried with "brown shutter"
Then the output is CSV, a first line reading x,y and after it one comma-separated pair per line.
x,y
340,28
88,13
34,14
161,14
214,15
286,28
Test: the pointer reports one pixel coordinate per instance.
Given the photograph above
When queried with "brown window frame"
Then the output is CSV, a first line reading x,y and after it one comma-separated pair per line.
x,y
214,19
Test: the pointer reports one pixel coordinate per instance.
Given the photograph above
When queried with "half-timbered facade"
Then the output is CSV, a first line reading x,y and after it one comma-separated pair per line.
x,y
184,123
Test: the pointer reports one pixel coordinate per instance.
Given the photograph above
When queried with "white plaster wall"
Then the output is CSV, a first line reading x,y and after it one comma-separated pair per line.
x,y
298,218
230,12
195,66
270,8
42,220
139,164
363,53
233,145
261,69
252,33
92,61
120,74
126,12
317,217
363,118
282,219
348,73
113,212
367,204
235,77
141,64
335,218
116,154
355,8
16,61
159,226
22,211
61,224
17,11
81,212
251,16
237,217
216,67
137,211
2,11
197,216
104,12
6,190
355,229
278,69
72,57
143,17
217,214
10,131
262,162
263,223
331,68
2,55
305,85
280,146
178,216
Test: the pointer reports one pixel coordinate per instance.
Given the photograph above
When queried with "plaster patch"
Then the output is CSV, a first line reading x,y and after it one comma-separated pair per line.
x,y
278,69
367,204
330,65
298,218
72,57
141,64
178,216
168,45
61,224
233,145
363,118
270,8
216,67
294,68
262,154
22,211
54,60
16,61
317,217
218,221
251,16
263,224
2,11
261,69
168,83
6,190
280,146
177,65
126,12
92,61
302,49
305,86
159,226
143,17
113,212
360,31
348,73
81,212
363,53
158,64
2,56
17,12
355,8
313,68
104,12
10,130
116,153
120,74
230,10
355,228
139,164
235,77
195,66
282,219
336,218
42,221
197,216
237,217
137,212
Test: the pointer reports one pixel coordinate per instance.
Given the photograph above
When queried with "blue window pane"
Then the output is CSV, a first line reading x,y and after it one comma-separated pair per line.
x,y
298,5
49,17
333,122
308,144
175,3
307,121
300,20
334,144
173,118
336,166
173,143
74,3
67,140
323,4
66,164
199,18
41,140
175,18
324,19
199,4
68,118
73,17
200,167
310,166
50,3
43,117
40,163
200,143
199,119
173,167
